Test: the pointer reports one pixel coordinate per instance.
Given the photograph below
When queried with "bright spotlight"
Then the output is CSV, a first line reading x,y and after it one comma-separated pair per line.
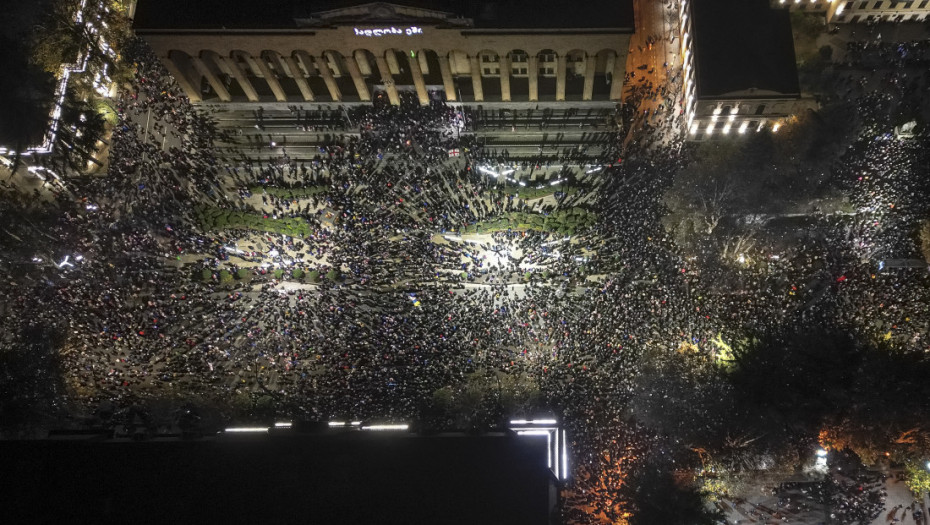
x,y
386,427
533,421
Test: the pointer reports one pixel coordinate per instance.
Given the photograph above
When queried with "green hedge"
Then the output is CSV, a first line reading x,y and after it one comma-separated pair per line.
x,y
220,219
297,273
535,193
290,193
562,221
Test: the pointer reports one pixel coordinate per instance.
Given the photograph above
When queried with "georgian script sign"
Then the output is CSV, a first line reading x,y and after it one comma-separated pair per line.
x,y
385,31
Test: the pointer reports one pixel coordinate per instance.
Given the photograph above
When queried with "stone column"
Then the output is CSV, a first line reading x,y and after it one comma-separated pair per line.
x,y
387,80
272,80
446,72
616,80
424,63
322,65
233,66
560,77
352,64
505,78
214,80
190,86
532,71
418,81
299,78
391,57
590,64
476,78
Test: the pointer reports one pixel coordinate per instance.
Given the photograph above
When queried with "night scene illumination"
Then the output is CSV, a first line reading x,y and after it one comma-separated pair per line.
x,y
528,261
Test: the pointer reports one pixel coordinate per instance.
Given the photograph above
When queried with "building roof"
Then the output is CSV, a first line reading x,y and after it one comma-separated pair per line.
x,y
281,14
740,45
346,478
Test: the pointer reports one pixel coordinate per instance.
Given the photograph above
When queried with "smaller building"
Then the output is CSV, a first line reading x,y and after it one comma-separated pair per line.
x,y
739,66
855,11
282,476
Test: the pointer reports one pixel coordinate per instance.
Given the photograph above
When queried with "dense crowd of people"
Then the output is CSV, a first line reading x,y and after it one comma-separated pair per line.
x,y
420,299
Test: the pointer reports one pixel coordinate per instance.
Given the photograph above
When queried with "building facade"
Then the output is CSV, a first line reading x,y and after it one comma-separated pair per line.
x,y
739,68
857,11
356,52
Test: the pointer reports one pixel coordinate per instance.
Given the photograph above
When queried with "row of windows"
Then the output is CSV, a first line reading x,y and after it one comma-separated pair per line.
x,y
700,129
519,71
878,18
892,4
545,57
727,109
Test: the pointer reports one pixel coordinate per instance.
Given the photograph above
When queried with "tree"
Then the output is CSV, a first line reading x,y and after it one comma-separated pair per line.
x,y
80,131
60,39
925,240
917,478
686,396
656,495
25,99
829,386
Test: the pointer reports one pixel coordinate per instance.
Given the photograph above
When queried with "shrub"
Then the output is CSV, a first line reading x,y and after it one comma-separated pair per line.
x,y
332,275
278,273
314,276
242,273
225,276
206,274
925,240
297,273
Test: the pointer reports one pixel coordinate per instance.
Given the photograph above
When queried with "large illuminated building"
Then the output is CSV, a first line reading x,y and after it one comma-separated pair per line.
x,y
854,11
238,51
740,70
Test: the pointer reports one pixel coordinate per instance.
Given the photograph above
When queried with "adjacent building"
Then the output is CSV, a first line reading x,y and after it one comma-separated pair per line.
x,y
344,51
281,477
739,67
845,11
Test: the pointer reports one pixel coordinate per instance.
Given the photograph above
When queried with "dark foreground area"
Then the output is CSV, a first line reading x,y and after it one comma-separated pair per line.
x,y
345,478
